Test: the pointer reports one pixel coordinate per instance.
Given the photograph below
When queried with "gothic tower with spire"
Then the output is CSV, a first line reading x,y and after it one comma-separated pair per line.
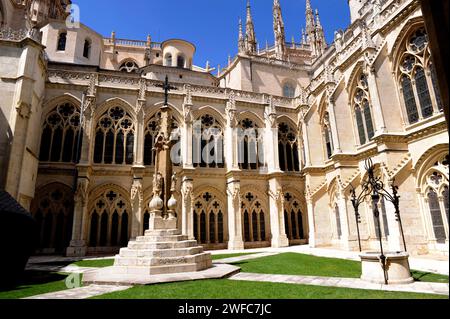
x,y
278,28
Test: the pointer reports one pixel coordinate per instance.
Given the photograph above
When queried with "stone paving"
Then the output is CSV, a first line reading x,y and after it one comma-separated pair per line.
x,y
417,287
64,269
81,293
108,276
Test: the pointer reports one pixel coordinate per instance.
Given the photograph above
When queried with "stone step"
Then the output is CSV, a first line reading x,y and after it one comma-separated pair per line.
x,y
162,232
161,253
163,261
162,245
163,238
162,270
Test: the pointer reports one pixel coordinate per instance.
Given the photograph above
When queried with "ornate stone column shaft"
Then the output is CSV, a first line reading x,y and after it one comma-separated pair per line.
x,y
380,126
271,138
276,206
187,210
235,241
333,125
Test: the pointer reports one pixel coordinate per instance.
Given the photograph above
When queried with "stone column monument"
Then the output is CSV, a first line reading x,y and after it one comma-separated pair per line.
x,y
163,249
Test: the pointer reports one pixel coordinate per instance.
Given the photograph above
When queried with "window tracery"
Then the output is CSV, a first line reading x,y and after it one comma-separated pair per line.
x,y
288,148
362,110
60,135
417,77
114,138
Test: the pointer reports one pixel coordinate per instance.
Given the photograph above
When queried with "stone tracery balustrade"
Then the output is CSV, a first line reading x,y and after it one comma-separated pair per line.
x,y
124,81
9,34
131,43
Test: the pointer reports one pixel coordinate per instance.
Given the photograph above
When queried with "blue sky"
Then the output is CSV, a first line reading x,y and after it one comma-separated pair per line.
x,y
212,25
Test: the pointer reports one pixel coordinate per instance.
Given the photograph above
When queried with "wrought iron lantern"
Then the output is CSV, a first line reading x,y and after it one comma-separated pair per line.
x,y
374,188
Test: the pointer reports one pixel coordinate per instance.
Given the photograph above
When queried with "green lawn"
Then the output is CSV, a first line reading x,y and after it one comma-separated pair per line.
x,y
36,283
305,265
230,289
224,256
97,263
293,264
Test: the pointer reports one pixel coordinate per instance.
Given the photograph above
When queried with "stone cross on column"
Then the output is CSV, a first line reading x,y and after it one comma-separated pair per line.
x,y
163,204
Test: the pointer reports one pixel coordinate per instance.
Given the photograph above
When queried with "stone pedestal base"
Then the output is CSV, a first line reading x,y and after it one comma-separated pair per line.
x,y
397,267
159,223
161,252
76,249
280,242
235,245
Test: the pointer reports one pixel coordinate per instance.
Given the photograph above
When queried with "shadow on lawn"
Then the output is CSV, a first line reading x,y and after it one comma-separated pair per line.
x,y
31,278
425,276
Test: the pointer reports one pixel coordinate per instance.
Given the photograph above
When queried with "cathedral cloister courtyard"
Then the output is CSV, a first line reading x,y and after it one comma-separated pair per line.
x,y
316,168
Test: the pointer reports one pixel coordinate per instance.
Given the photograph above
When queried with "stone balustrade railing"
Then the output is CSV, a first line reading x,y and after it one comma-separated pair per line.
x,y
132,82
131,43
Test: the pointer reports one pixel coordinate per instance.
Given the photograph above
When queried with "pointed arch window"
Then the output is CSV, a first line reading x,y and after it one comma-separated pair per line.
x,y
327,136
363,112
288,148
436,216
114,138
151,132
417,79
52,208
109,223
293,218
209,220
60,136
62,40
254,219
207,148
436,197
250,146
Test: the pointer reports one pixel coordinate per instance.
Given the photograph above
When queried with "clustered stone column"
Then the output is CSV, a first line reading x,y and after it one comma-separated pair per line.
x,y
234,215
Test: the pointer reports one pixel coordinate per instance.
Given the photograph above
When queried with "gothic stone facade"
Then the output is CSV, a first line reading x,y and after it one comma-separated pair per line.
x,y
79,115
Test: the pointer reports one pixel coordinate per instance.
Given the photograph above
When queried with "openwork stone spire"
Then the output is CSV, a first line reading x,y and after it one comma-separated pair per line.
x,y
250,37
315,36
241,41
310,24
321,43
278,28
